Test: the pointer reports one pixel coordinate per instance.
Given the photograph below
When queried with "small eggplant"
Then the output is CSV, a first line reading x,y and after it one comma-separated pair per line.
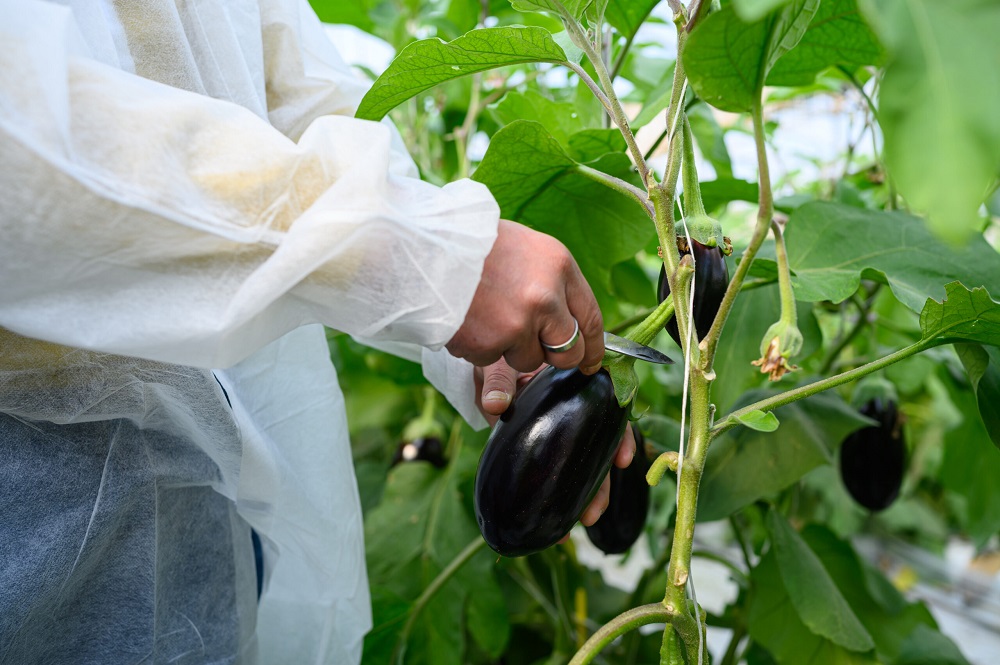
x,y
421,449
873,459
621,524
546,459
711,277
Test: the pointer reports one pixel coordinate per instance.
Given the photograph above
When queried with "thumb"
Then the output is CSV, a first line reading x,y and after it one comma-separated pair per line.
x,y
499,381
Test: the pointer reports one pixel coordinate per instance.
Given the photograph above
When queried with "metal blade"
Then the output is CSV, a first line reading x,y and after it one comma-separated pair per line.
x,y
627,347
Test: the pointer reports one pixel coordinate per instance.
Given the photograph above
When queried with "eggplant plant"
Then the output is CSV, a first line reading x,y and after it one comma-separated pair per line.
x,y
878,265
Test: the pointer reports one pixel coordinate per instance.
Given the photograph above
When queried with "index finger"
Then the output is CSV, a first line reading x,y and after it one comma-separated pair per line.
x,y
583,306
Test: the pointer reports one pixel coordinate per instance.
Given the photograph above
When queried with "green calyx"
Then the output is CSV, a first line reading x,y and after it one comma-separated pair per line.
x,y
781,342
426,425
874,387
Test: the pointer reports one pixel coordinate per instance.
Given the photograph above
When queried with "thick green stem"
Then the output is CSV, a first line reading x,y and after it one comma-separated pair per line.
x,y
691,467
463,558
765,212
771,403
621,624
645,332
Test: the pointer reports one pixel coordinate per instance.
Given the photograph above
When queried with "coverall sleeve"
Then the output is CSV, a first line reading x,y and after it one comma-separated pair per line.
x,y
141,219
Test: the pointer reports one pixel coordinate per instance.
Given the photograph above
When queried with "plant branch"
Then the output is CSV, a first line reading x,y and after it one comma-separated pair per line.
x,y
771,403
613,106
765,211
621,624
592,84
619,185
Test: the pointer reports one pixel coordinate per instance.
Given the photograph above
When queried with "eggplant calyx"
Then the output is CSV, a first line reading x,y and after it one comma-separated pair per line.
x,y
781,342
623,377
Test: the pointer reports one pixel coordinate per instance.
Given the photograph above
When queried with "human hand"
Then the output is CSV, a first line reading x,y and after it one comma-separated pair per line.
x,y
496,386
530,292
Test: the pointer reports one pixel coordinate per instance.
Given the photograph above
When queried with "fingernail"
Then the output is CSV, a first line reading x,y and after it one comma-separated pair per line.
x,y
497,396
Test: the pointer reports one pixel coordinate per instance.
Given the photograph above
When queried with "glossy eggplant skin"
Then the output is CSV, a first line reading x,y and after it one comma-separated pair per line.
x,y
628,503
546,459
873,459
422,449
711,277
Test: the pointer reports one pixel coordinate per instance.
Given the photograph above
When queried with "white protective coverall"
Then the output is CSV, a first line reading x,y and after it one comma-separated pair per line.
x,y
182,187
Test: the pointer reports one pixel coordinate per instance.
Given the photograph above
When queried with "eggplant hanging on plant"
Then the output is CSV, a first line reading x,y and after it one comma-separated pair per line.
x,y
711,277
628,504
421,449
546,459
873,459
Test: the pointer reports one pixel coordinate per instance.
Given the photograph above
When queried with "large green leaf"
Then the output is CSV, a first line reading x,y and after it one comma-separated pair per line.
x,y
938,105
752,10
576,8
538,184
838,35
560,119
420,525
832,246
983,367
350,12
426,63
925,646
816,598
744,465
727,60
774,623
971,466
963,315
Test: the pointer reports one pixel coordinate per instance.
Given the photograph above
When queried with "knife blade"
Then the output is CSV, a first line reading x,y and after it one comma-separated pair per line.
x,y
627,347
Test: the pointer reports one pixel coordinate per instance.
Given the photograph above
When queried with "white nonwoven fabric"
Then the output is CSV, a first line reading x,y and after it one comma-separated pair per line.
x,y
182,186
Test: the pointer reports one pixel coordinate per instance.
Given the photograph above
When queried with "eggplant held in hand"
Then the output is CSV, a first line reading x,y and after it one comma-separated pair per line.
x,y
711,277
873,459
621,524
546,459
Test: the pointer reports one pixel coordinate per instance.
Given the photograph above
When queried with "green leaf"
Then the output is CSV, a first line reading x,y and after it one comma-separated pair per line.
x,y
420,525
744,465
838,35
345,12
938,106
819,604
752,10
774,623
560,119
832,246
537,183
576,8
727,60
759,421
883,611
971,466
983,367
426,63
627,15
963,315
591,144
926,646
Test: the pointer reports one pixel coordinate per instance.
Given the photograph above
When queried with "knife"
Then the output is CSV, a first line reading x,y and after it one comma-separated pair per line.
x,y
627,347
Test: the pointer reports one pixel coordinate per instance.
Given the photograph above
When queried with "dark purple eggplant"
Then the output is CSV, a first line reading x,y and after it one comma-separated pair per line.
x,y
873,459
421,449
711,277
628,503
546,459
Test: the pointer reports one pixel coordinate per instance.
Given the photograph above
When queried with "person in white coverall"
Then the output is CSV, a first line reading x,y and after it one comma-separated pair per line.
x,y
183,186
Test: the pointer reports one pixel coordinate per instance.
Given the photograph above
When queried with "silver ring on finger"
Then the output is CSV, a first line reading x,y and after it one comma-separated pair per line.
x,y
568,344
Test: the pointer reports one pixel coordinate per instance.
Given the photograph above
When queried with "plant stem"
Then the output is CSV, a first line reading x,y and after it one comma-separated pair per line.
x,y
734,644
621,624
765,212
463,557
613,106
619,185
592,84
771,403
